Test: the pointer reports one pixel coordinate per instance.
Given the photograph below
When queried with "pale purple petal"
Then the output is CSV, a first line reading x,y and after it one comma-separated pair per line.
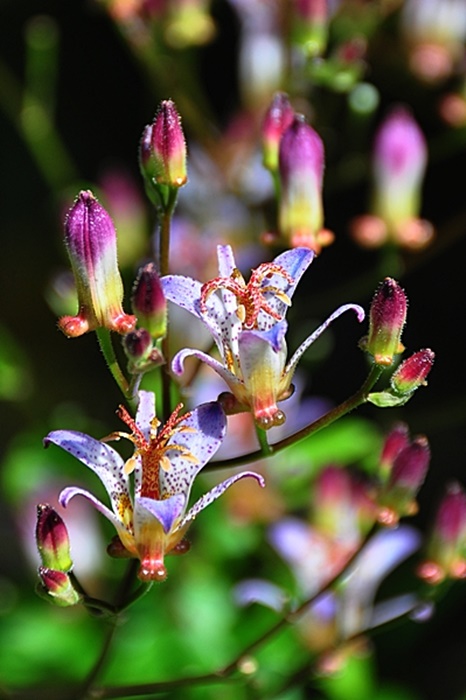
x,y
166,511
208,424
393,608
226,260
260,591
313,337
146,412
182,291
98,456
215,493
225,374
275,336
71,491
295,262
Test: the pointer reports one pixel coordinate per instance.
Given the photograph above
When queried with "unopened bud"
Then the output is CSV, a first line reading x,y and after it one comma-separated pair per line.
x,y
278,117
395,441
446,551
90,239
56,586
52,539
301,169
405,479
149,303
412,373
387,318
310,25
162,153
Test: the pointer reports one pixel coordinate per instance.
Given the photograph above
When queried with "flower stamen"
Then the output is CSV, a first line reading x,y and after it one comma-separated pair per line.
x,y
250,296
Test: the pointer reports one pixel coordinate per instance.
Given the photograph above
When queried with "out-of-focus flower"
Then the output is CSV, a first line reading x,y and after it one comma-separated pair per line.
x,y
435,32
398,496
301,169
387,318
309,20
399,163
247,324
188,23
446,550
165,462
394,442
278,118
90,239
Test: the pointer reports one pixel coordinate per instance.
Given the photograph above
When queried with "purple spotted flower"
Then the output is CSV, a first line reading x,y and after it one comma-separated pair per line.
x,y
247,323
165,462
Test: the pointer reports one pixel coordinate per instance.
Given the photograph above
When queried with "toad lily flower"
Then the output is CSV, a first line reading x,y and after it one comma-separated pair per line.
x,y
248,326
165,462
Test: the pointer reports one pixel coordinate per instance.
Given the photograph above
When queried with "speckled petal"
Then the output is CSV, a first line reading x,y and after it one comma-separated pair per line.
x,y
209,425
166,512
226,260
215,493
185,292
295,262
98,456
145,413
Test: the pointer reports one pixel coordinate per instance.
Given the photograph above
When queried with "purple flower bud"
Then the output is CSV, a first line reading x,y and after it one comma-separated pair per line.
x,y
162,152
310,25
277,119
56,586
446,552
52,539
301,169
149,303
90,239
387,318
399,163
395,441
137,344
406,478
412,373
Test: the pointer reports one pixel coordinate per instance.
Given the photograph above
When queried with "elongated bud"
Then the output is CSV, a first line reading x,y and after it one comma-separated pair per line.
x,y
413,372
149,303
56,586
277,119
301,169
310,25
162,153
406,478
446,551
387,318
90,239
395,441
52,539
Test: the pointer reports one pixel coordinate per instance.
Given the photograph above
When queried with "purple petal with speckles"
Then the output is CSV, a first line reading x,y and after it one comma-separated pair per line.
x,y
216,492
98,456
226,375
146,412
208,423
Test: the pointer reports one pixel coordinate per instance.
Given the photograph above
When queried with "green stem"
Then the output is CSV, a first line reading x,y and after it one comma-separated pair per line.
x,y
266,450
327,419
108,351
164,269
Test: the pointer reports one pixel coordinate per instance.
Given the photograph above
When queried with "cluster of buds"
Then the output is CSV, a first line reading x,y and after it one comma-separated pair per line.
x,y
150,307
398,166
56,564
446,550
403,468
294,154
